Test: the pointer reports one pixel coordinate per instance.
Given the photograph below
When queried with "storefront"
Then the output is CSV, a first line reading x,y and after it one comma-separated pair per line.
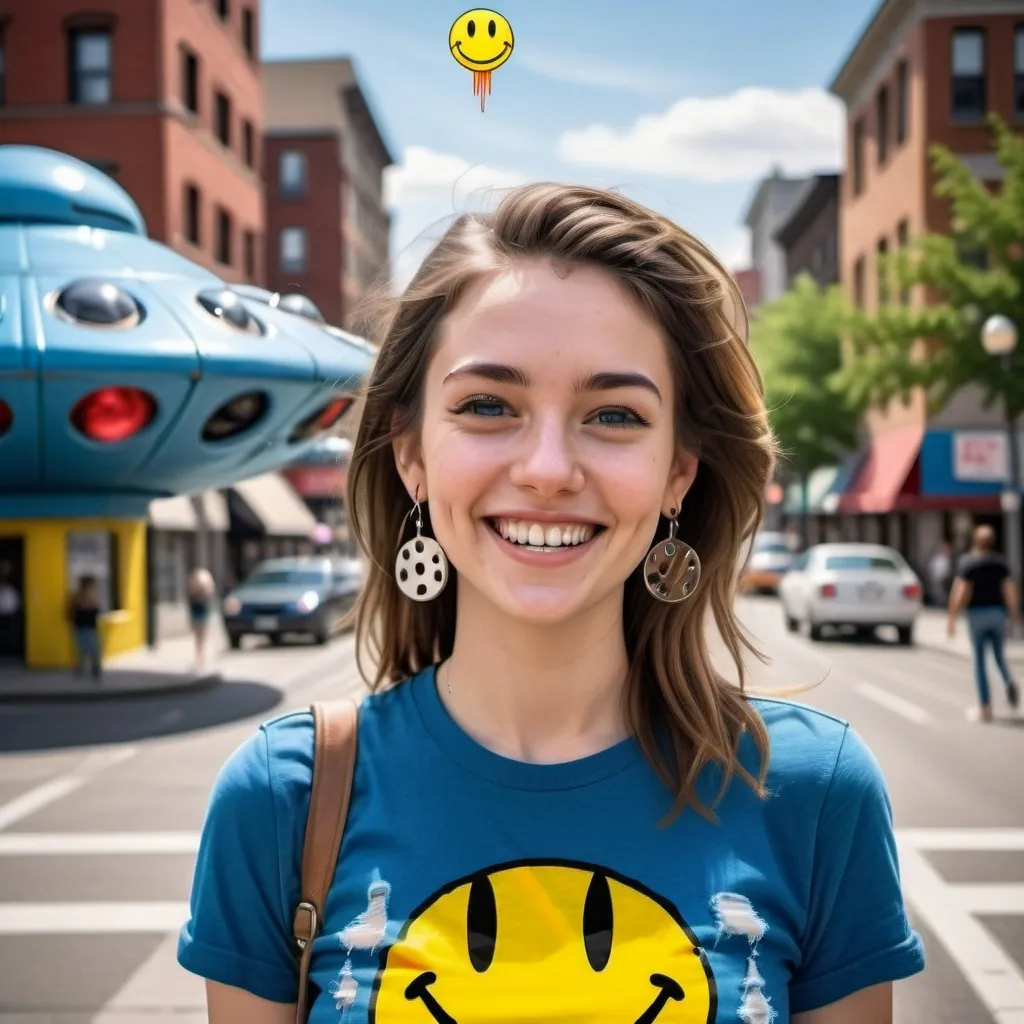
x,y
320,478
51,557
963,476
267,519
185,532
824,488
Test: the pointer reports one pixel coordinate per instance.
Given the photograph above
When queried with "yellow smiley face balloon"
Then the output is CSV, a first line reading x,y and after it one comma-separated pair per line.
x,y
542,942
481,40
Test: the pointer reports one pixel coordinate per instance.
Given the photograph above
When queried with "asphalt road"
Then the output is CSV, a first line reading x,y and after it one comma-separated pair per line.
x,y
100,807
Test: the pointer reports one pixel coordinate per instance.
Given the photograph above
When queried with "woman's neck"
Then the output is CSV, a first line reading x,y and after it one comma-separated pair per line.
x,y
545,694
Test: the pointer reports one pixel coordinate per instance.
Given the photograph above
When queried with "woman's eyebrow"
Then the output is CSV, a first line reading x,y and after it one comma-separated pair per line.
x,y
612,381
497,372
502,373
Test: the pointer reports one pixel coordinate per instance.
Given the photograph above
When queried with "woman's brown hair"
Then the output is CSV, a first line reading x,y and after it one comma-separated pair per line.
x,y
719,413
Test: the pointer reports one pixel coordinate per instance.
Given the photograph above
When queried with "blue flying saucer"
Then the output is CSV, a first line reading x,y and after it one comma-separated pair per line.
x,y
128,372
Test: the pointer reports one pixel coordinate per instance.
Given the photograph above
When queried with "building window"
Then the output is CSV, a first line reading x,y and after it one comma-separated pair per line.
x,y
902,102
224,237
902,241
858,283
249,31
291,173
883,272
224,119
223,9
249,255
249,144
190,80
1018,71
882,123
968,67
294,247
858,157
192,215
90,59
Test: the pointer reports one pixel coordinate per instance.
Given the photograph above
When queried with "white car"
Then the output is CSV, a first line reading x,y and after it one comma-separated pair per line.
x,y
858,585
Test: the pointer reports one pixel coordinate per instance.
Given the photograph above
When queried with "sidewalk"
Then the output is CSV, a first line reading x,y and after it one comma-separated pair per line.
x,y
930,632
162,669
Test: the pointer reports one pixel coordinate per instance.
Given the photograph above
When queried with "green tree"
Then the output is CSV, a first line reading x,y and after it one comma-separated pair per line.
x,y
797,341
969,274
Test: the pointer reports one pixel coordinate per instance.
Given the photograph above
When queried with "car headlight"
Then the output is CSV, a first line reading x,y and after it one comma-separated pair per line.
x,y
309,600
232,606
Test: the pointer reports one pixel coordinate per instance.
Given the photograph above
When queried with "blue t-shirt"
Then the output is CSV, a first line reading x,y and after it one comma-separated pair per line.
x,y
471,887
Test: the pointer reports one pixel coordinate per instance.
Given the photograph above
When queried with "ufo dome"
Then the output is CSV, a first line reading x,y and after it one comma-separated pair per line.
x,y
42,186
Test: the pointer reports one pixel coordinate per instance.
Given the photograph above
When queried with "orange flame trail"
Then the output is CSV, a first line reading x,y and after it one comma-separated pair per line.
x,y
482,86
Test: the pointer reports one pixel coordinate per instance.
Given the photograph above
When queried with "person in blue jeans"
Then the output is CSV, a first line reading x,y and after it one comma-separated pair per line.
x,y
984,587
84,610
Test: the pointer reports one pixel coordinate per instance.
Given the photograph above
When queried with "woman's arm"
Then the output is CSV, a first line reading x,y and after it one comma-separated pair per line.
x,y
868,1006
228,1005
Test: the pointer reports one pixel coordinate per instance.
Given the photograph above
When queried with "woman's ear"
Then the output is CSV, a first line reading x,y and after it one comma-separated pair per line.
x,y
680,480
409,463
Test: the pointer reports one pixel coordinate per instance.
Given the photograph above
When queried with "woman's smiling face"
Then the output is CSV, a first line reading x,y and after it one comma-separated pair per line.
x,y
546,446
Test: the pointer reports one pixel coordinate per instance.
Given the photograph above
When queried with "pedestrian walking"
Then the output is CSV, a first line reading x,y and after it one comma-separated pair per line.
x,y
84,609
940,573
984,588
201,590
560,810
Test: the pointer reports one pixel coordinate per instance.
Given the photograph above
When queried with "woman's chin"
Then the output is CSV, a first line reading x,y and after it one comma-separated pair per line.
x,y
541,604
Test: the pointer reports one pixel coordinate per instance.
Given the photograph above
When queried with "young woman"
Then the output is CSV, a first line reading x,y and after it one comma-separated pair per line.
x,y
560,811
84,609
200,599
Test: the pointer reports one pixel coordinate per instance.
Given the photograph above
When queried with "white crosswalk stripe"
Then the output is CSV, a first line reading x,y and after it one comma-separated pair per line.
x,y
950,912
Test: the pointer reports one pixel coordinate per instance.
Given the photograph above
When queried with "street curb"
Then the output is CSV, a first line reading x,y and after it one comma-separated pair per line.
x,y
193,684
1015,659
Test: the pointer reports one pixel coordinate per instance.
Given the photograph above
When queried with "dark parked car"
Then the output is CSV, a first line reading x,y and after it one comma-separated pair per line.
x,y
292,595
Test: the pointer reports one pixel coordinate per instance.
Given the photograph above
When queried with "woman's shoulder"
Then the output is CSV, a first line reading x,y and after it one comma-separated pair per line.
x,y
289,737
814,748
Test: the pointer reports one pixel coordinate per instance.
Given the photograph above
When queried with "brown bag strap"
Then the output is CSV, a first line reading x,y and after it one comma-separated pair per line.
x,y
334,759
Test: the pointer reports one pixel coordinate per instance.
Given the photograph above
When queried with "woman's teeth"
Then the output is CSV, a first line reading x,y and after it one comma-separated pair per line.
x,y
544,535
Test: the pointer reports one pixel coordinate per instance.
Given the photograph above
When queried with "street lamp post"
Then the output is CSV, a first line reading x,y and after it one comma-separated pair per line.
x,y
999,338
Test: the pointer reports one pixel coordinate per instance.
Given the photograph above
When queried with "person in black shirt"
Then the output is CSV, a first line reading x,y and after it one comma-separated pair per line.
x,y
984,587
84,610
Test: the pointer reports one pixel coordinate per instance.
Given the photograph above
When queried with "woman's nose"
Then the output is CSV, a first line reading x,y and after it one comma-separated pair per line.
x,y
548,462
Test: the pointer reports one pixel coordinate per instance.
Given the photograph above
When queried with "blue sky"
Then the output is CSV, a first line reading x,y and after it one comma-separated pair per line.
x,y
683,105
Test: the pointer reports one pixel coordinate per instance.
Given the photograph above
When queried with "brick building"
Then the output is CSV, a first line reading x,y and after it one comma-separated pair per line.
x,y
809,236
164,97
327,228
922,72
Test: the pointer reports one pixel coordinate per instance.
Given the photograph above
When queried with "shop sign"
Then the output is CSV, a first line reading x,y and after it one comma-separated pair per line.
x,y
980,455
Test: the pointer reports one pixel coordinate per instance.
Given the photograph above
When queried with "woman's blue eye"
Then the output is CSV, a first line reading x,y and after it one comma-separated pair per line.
x,y
484,408
617,418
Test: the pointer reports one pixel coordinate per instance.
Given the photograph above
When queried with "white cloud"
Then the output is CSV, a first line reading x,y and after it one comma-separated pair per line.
x,y
425,191
734,249
736,137
579,70
427,177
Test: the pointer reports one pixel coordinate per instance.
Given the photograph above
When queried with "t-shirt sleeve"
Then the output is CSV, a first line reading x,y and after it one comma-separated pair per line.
x,y
239,931
857,933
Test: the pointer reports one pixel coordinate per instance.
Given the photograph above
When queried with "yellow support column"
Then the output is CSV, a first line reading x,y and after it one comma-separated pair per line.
x,y
49,642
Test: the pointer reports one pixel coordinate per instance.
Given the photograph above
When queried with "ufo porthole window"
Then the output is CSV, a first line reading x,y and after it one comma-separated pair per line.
x,y
226,306
236,416
302,306
98,303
